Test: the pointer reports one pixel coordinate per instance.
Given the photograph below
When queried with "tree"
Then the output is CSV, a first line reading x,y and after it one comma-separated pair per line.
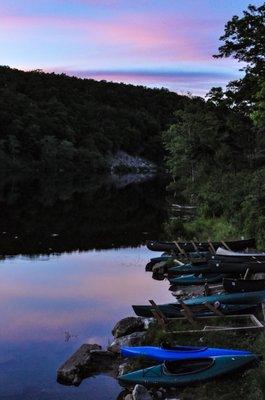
x,y
244,40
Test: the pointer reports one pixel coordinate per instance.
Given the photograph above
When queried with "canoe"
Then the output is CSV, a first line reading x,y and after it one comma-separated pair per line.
x,y
226,255
172,310
232,285
194,279
178,353
201,246
190,371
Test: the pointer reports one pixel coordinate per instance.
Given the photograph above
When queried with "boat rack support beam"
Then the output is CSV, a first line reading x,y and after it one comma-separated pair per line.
x,y
158,314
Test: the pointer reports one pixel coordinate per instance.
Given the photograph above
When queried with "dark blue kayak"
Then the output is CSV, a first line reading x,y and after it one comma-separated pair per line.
x,y
179,352
193,279
172,310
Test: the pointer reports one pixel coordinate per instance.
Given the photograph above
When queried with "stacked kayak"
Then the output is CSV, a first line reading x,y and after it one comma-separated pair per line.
x,y
199,279
232,285
229,299
173,310
190,370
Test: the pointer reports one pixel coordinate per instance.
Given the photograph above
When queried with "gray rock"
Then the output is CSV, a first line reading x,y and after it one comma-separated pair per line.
x,y
128,325
88,359
141,393
148,322
134,163
128,397
124,368
135,339
159,394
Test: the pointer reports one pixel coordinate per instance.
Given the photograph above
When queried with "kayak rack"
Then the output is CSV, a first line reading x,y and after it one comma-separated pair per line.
x,y
246,323
188,312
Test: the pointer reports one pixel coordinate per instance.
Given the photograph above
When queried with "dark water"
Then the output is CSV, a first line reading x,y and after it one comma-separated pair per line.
x,y
72,265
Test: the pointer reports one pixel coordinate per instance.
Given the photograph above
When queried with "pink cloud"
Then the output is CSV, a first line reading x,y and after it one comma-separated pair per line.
x,y
145,36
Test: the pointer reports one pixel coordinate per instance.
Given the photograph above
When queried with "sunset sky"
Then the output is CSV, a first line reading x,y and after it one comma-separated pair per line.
x,y
155,43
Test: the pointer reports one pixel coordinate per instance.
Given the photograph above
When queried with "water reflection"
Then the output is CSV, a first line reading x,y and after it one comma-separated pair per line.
x,y
51,304
47,216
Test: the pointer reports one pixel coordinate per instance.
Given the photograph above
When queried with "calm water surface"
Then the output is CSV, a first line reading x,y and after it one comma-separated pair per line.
x,y
51,303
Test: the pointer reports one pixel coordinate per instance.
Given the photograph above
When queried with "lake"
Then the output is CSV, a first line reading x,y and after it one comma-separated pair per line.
x,y
72,263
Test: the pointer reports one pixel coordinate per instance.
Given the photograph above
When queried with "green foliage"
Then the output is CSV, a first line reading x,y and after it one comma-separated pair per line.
x,y
214,228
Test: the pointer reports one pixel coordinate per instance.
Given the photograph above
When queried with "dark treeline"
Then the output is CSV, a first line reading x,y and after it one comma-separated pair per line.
x,y
54,122
216,149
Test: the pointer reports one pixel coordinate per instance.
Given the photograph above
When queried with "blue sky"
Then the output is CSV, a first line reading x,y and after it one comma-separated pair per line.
x,y
156,43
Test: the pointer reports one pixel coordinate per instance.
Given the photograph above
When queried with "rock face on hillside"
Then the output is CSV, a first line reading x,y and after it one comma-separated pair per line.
x,y
123,162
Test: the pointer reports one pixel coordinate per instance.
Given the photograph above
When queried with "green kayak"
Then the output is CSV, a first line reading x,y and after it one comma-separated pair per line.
x,y
189,371
193,279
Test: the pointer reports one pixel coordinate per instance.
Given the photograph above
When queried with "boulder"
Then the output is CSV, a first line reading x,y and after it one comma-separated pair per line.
x,y
124,368
88,359
128,325
128,397
148,322
141,393
135,339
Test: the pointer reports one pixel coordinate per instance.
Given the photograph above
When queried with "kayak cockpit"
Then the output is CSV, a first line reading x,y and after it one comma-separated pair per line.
x,y
183,367
167,346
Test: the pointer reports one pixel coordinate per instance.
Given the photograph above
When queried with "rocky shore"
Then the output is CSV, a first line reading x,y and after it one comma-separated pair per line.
x,y
91,359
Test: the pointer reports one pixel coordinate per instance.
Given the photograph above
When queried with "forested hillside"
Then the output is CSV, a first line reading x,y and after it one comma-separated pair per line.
x,y
53,122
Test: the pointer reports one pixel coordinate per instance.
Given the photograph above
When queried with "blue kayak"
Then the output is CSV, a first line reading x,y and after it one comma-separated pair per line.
x,y
179,352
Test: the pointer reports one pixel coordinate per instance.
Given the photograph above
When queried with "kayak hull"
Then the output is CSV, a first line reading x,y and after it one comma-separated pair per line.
x,y
187,280
172,310
199,370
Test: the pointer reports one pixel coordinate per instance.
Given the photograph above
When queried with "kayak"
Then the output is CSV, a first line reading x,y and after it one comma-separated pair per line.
x,y
236,266
178,353
190,371
229,298
173,310
232,285
187,280
200,246
214,266
191,269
